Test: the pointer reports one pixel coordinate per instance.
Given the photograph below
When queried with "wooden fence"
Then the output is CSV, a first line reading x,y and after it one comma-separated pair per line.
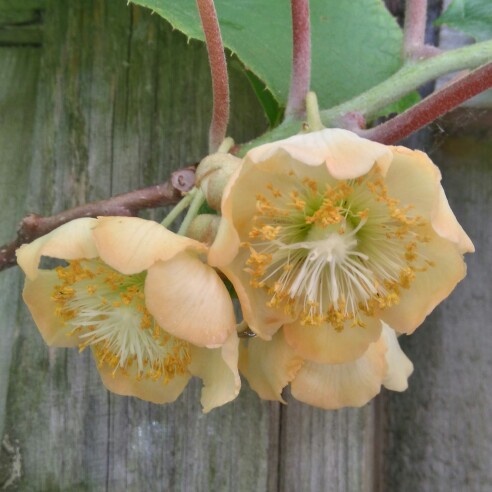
x,y
97,98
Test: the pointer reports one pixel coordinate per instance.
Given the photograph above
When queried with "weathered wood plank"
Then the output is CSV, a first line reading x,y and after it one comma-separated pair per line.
x,y
19,5
439,433
326,450
123,100
18,80
21,23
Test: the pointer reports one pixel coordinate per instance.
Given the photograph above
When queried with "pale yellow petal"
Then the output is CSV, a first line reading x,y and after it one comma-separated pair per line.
x,y
189,300
333,386
225,246
345,154
131,245
37,295
268,366
219,372
261,319
325,345
126,383
239,205
399,365
446,225
282,172
415,180
70,241
429,287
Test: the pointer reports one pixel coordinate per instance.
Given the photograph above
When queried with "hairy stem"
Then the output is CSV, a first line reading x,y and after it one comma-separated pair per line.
x,y
34,226
407,79
301,59
414,26
218,70
432,107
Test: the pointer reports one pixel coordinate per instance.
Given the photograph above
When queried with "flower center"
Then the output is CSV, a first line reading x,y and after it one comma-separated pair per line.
x,y
107,311
334,254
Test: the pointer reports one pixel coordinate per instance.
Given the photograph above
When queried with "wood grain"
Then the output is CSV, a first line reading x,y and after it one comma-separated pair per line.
x,y
113,100
19,69
439,433
122,101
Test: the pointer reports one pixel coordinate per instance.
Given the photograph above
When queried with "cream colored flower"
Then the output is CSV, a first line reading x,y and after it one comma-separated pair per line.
x,y
328,235
270,366
140,296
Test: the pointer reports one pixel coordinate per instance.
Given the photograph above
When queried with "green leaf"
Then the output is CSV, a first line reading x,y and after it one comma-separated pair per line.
x,y
356,43
273,110
473,17
270,105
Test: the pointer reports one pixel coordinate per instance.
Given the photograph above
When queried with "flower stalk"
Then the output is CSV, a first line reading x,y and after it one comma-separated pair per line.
x,y
414,27
301,59
180,207
197,201
414,46
218,70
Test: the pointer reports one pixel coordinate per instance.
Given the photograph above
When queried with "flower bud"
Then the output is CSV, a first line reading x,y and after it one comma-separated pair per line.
x,y
204,228
213,174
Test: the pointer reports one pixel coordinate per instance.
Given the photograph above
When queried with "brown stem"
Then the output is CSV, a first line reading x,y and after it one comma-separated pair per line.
x,y
34,226
218,69
414,26
414,47
432,107
301,58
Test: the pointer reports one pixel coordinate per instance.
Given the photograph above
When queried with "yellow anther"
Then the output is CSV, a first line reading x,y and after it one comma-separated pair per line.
x,y
91,289
311,184
270,232
407,276
297,202
275,192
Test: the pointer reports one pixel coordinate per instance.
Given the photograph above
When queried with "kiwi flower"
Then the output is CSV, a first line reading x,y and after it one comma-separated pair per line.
x,y
329,235
140,296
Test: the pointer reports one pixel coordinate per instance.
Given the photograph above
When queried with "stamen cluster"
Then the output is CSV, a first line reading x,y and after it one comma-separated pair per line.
x,y
334,253
106,310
